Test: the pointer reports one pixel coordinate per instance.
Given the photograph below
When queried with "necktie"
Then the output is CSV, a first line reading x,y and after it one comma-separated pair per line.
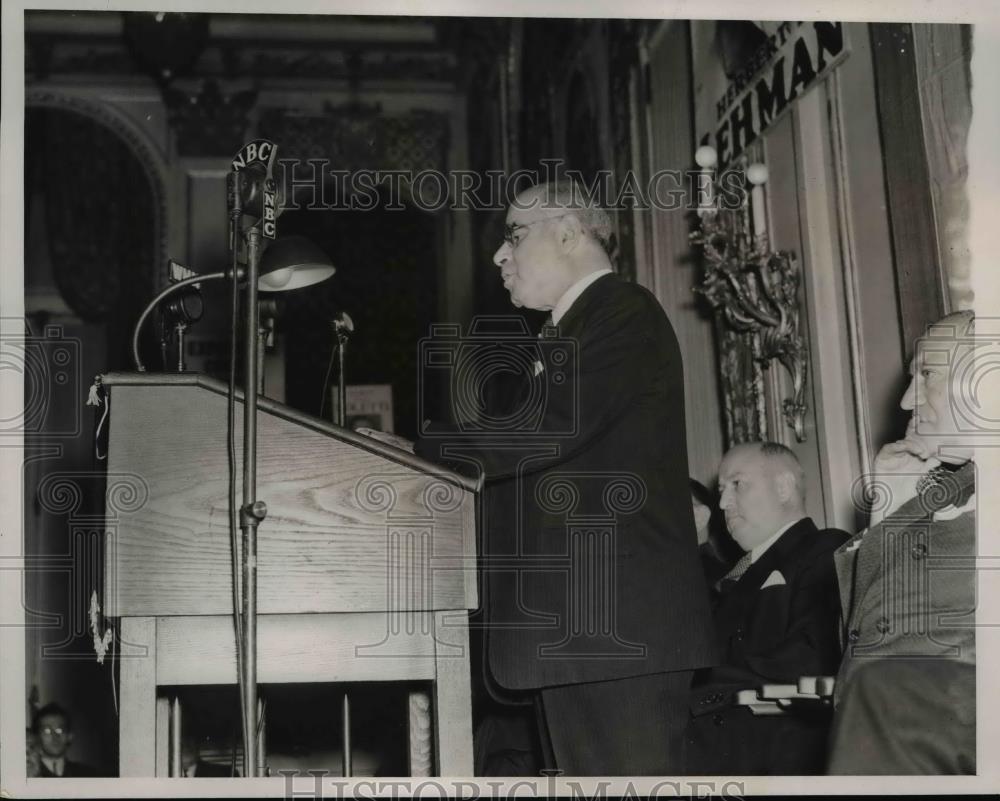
x,y
547,324
727,581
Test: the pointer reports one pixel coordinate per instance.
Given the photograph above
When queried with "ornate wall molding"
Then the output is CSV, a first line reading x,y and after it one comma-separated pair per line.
x,y
362,137
46,56
148,155
208,121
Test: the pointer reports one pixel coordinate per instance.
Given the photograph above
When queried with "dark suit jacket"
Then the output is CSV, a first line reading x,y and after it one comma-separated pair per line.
x,y
71,770
898,598
711,565
589,554
770,635
908,591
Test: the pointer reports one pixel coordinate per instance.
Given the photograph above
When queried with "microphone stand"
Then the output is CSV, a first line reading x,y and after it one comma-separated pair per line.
x,y
251,189
269,311
252,512
343,326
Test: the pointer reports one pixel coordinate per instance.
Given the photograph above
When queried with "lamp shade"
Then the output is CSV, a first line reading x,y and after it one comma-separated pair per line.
x,y
293,262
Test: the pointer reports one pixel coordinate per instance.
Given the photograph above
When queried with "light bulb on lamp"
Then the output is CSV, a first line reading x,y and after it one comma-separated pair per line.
x,y
757,176
275,281
292,262
706,158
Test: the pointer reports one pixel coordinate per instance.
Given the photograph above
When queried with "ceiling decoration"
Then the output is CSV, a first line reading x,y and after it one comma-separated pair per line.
x,y
164,45
167,46
206,121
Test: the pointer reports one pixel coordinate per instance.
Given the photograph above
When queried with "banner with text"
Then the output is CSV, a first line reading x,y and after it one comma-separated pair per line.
x,y
732,112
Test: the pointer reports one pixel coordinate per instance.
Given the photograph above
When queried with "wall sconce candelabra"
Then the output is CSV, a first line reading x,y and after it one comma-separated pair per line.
x,y
754,292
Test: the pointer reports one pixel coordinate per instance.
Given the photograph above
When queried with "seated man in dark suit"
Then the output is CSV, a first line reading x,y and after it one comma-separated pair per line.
x,y
776,617
54,729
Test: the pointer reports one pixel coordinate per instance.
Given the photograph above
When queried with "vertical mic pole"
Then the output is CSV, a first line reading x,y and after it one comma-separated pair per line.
x,y
343,325
255,157
253,511
341,379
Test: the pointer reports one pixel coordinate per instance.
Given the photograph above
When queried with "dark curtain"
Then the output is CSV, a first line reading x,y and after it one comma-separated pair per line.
x,y
386,280
100,218
99,210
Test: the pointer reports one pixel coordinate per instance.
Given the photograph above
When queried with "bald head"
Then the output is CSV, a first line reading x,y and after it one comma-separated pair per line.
x,y
558,197
762,489
555,235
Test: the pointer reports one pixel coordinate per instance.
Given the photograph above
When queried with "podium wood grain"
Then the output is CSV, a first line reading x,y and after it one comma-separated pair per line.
x,y
345,529
366,563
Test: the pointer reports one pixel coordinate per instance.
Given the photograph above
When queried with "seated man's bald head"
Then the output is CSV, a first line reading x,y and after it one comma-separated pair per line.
x,y
762,489
783,460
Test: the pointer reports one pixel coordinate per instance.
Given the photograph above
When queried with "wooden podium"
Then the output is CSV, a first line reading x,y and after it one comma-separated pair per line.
x,y
366,564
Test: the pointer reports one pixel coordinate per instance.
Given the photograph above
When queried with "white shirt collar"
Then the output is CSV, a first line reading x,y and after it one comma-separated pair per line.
x,y
571,294
758,550
56,765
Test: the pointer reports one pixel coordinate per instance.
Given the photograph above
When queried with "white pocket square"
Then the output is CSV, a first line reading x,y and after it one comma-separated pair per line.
x,y
539,367
774,580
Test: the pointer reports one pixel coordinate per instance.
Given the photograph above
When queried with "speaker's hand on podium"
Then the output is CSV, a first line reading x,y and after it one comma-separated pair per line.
x,y
389,439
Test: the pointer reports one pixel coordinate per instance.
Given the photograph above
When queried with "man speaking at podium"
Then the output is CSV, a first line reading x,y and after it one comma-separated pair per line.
x,y
593,595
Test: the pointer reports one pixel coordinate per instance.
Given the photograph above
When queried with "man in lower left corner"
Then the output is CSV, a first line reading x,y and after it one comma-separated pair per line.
x,y
54,728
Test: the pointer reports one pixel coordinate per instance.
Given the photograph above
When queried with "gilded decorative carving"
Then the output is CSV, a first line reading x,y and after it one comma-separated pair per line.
x,y
754,291
742,384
